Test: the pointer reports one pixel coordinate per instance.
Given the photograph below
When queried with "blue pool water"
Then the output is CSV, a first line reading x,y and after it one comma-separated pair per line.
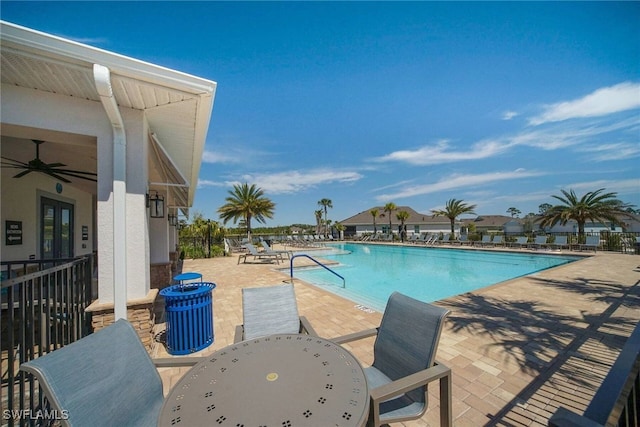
x,y
373,272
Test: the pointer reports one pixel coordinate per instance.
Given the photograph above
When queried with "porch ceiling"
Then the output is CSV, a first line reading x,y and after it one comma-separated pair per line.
x,y
177,106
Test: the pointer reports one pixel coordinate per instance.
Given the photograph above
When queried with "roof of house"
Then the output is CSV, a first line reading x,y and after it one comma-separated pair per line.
x,y
365,217
177,106
489,220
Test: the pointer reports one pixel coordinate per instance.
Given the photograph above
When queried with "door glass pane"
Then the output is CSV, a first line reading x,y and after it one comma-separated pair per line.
x,y
48,226
66,233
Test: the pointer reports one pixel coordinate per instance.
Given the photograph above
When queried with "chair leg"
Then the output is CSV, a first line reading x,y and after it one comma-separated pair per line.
x,y
445,401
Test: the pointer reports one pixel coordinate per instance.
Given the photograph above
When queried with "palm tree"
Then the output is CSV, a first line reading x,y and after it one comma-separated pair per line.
x,y
402,217
246,202
374,213
325,203
390,207
318,221
453,209
594,206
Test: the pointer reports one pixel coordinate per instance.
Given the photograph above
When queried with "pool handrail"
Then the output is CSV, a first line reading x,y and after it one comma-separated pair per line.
x,y
317,262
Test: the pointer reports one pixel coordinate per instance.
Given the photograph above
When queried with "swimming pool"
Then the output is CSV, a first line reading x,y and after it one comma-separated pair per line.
x,y
373,272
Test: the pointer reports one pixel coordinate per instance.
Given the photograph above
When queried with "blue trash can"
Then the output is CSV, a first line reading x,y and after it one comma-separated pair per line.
x,y
189,311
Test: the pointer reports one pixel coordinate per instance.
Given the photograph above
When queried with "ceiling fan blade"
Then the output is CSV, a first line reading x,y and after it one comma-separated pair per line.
x,y
76,171
23,173
56,176
77,176
15,161
55,165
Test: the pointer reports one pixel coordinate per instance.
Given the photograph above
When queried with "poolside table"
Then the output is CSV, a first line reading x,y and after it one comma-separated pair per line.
x,y
279,380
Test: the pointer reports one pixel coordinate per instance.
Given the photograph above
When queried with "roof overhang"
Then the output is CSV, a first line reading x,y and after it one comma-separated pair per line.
x,y
177,105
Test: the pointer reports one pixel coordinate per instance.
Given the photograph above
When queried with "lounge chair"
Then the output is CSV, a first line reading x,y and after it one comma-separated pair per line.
x,y
521,242
499,241
463,239
445,239
258,255
270,310
539,242
486,240
592,242
404,362
104,379
269,250
559,242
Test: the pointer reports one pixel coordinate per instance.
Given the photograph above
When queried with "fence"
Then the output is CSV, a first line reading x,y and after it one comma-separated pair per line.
x,y
43,309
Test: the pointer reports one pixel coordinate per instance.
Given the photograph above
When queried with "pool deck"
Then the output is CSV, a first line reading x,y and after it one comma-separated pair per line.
x,y
518,349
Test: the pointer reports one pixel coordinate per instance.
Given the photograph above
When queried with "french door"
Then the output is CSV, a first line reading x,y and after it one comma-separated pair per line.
x,y
56,229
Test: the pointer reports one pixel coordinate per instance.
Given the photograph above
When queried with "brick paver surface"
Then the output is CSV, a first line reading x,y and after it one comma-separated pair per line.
x,y
518,350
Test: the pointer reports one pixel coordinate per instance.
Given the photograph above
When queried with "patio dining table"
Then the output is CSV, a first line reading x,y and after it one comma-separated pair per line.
x,y
279,380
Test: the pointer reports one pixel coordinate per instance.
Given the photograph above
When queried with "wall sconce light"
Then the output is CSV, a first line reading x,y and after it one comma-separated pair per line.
x,y
155,203
173,220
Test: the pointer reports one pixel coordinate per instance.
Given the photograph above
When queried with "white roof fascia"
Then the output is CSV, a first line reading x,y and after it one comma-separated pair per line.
x,y
49,45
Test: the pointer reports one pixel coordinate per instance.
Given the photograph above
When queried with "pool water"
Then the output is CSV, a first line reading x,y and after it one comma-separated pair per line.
x,y
373,272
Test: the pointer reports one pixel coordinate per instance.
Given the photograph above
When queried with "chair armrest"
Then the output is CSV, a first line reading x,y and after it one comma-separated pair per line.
x,y
305,326
355,336
174,362
408,383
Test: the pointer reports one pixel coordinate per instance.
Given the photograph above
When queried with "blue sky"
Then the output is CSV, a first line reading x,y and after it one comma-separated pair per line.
x,y
498,104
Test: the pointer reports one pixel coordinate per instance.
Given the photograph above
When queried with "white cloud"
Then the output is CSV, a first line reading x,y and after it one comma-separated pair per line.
x,y
441,152
602,102
216,157
297,181
203,183
612,151
457,181
508,115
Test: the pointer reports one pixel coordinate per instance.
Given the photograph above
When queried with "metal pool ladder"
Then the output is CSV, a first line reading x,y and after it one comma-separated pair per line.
x,y
317,262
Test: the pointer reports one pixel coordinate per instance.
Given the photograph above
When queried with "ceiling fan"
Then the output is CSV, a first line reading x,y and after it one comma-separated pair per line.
x,y
52,169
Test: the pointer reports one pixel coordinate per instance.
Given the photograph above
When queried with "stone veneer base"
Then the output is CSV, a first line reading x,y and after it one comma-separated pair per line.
x,y
140,313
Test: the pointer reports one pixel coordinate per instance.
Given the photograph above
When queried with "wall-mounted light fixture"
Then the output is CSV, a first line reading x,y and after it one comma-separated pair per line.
x,y
173,219
155,203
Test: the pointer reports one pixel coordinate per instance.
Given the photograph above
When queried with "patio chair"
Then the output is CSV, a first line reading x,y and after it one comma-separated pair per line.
x,y
270,310
258,255
539,242
559,242
269,250
592,242
486,240
521,241
404,362
104,379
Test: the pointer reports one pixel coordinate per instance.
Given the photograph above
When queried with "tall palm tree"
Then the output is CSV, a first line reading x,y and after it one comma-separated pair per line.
x,y
246,202
453,209
318,221
390,207
374,213
594,206
402,217
325,203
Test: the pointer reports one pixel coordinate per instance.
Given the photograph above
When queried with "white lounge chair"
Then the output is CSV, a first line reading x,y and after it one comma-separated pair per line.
x,y
258,255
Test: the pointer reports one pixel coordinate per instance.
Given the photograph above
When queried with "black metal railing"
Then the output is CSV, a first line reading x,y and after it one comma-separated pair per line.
x,y
617,401
43,309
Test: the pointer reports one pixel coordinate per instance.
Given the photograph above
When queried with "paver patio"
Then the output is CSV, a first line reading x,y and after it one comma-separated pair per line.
x,y
518,349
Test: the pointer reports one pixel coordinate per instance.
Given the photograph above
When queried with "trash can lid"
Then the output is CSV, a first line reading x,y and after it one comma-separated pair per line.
x,y
188,276
188,289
